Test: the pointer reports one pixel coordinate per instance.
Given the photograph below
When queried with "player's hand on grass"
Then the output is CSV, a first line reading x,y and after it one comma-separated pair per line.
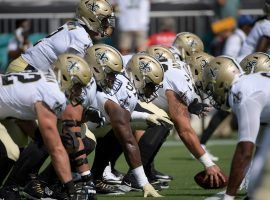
x,y
149,190
215,175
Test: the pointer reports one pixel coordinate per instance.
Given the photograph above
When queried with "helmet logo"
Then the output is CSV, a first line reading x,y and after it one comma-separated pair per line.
x,y
93,7
102,57
213,73
203,63
144,67
251,66
72,67
159,56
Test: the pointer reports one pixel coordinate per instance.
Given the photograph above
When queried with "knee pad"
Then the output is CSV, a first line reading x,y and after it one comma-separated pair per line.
x,y
69,139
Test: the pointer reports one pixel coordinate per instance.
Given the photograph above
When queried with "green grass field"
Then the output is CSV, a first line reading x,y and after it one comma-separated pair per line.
x,y
175,160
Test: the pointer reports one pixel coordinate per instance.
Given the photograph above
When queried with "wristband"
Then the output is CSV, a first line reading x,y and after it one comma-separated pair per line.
x,y
206,161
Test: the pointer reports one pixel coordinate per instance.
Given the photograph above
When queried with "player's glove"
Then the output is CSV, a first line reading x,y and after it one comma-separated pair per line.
x,y
154,119
93,115
198,108
148,190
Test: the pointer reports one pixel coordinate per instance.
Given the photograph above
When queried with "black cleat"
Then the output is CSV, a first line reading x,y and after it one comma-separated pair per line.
x,y
103,188
161,177
10,193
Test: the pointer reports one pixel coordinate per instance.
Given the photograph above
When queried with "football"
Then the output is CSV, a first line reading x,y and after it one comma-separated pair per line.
x,y
199,179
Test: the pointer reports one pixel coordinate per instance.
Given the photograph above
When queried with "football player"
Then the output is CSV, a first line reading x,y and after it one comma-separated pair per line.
x,y
188,43
256,62
116,100
258,39
247,96
45,102
94,18
178,98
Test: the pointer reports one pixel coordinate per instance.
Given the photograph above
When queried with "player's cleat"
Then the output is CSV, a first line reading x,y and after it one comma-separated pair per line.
x,y
130,181
10,193
118,173
104,188
161,177
36,189
109,177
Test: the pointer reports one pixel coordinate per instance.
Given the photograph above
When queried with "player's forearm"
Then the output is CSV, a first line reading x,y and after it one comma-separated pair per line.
x,y
241,161
191,141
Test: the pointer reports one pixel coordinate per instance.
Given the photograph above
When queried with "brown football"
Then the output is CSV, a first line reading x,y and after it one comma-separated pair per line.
x,y
199,179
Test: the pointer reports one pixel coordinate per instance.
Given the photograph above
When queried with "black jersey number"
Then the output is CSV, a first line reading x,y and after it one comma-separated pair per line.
x,y
9,79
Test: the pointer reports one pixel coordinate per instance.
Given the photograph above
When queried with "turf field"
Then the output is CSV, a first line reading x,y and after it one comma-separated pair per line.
x,y
175,160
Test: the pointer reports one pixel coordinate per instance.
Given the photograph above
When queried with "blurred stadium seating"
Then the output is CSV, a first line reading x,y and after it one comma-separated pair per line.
x,y
47,15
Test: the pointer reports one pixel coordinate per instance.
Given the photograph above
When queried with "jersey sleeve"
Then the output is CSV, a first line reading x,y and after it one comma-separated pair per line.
x,y
79,41
180,84
248,111
53,97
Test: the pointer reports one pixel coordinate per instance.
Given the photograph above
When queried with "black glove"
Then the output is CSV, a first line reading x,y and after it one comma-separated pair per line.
x,y
198,108
93,115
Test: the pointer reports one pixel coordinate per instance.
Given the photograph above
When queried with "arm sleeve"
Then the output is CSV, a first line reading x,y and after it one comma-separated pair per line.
x,y
248,116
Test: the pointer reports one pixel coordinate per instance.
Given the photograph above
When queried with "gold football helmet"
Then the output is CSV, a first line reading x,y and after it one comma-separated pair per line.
x,y
218,76
97,15
197,62
74,73
161,53
105,62
147,74
188,43
256,62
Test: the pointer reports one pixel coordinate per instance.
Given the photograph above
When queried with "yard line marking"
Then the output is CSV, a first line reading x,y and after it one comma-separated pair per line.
x,y
217,196
210,143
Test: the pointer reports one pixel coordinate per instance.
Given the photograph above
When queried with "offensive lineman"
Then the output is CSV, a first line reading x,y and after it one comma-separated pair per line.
x,y
45,102
177,98
95,18
116,100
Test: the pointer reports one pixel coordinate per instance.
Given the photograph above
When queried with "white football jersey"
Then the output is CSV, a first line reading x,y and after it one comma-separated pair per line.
x,y
179,81
123,94
249,99
20,91
261,28
69,38
89,94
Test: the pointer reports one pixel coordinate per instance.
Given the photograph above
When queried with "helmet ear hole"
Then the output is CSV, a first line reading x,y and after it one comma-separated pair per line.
x,y
64,78
136,77
196,72
221,85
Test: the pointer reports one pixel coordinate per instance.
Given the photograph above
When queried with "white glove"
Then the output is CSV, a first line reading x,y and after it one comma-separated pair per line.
x,y
149,190
155,119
